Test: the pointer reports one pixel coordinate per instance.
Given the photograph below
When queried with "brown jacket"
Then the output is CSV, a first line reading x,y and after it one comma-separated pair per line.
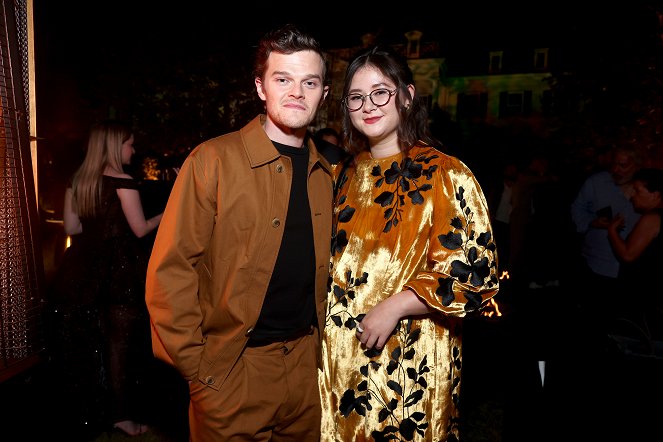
x,y
216,248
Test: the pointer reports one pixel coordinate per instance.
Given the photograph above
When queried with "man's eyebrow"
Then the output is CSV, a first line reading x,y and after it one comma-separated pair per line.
x,y
289,74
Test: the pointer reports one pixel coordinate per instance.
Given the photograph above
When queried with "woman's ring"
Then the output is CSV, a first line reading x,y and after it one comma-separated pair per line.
x,y
359,329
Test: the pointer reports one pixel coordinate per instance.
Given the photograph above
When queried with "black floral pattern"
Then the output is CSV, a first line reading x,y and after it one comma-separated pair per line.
x,y
338,308
406,371
479,262
407,176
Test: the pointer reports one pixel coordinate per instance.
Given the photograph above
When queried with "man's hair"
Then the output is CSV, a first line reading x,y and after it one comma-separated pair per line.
x,y
328,131
285,40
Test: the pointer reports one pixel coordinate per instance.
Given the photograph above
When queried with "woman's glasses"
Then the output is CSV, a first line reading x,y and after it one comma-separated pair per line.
x,y
378,97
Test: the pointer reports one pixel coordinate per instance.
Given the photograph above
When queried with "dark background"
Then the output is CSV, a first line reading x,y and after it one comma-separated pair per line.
x,y
91,56
157,64
182,72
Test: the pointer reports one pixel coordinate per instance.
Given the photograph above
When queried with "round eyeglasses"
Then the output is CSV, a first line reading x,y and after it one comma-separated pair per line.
x,y
378,97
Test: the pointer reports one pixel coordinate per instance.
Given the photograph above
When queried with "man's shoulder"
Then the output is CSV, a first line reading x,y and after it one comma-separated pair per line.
x,y
230,140
600,176
220,145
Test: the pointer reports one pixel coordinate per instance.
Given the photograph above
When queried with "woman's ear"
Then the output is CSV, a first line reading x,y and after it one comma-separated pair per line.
x,y
411,90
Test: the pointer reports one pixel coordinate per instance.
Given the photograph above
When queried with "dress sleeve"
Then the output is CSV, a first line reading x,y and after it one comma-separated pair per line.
x,y
124,183
461,270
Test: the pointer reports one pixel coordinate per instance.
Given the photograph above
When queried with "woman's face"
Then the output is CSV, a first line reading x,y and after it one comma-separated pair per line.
x,y
643,199
378,123
128,150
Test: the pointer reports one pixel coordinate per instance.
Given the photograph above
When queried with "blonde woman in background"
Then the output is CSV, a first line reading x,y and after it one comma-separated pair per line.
x,y
103,339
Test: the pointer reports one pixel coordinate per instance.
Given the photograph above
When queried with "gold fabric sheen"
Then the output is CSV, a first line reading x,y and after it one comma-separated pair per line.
x,y
421,222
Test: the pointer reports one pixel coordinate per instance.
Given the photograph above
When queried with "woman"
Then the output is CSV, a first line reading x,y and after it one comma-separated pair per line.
x,y
640,255
412,253
100,283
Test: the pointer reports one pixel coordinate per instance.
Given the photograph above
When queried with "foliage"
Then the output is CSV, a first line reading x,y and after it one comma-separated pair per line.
x,y
608,88
179,102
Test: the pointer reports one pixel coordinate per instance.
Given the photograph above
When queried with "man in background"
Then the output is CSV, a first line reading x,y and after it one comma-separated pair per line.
x,y
604,194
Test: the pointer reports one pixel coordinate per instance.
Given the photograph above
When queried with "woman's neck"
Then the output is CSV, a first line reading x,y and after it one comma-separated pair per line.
x,y
385,147
110,171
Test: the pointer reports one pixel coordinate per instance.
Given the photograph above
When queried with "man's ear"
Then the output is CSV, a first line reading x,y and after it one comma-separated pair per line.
x,y
261,93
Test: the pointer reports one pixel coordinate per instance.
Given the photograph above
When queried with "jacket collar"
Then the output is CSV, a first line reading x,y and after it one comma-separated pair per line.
x,y
260,150
315,156
258,147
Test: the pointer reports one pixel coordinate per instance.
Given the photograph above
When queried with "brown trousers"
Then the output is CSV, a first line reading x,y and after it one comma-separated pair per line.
x,y
270,395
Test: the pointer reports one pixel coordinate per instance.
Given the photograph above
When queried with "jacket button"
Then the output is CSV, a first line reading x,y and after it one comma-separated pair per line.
x,y
279,168
276,222
209,380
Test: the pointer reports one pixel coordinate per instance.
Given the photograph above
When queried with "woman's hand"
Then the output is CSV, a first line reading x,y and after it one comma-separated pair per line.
x,y
616,223
379,323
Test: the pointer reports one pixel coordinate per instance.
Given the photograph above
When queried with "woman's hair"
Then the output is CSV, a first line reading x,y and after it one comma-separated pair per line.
x,y
651,178
286,40
104,148
414,126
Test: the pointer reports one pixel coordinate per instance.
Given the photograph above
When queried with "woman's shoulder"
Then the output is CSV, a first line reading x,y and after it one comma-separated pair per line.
x,y
434,156
652,217
123,181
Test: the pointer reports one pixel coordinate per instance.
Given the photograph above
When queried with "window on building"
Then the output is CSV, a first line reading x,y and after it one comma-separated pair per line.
x,y
495,62
547,103
427,100
413,43
472,106
515,104
541,59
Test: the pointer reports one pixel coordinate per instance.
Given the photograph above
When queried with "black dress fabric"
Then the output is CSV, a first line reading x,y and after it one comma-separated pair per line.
x,y
100,339
640,300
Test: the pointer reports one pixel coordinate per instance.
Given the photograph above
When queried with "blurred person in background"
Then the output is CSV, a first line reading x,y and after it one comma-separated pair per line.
x,y
328,142
103,336
638,328
640,255
603,195
329,134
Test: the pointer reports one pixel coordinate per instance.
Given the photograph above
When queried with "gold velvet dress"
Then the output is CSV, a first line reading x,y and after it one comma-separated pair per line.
x,y
418,222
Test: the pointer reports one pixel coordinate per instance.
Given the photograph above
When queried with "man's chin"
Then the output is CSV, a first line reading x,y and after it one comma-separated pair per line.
x,y
297,121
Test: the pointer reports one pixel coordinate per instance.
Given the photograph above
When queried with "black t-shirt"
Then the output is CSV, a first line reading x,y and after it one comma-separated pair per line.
x,y
289,306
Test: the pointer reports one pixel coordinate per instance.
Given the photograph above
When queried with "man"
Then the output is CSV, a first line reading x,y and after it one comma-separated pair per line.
x,y
237,280
327,141
328,134
601,196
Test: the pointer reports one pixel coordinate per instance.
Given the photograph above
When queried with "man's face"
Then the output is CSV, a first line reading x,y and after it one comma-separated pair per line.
x,y
623,167
292,88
